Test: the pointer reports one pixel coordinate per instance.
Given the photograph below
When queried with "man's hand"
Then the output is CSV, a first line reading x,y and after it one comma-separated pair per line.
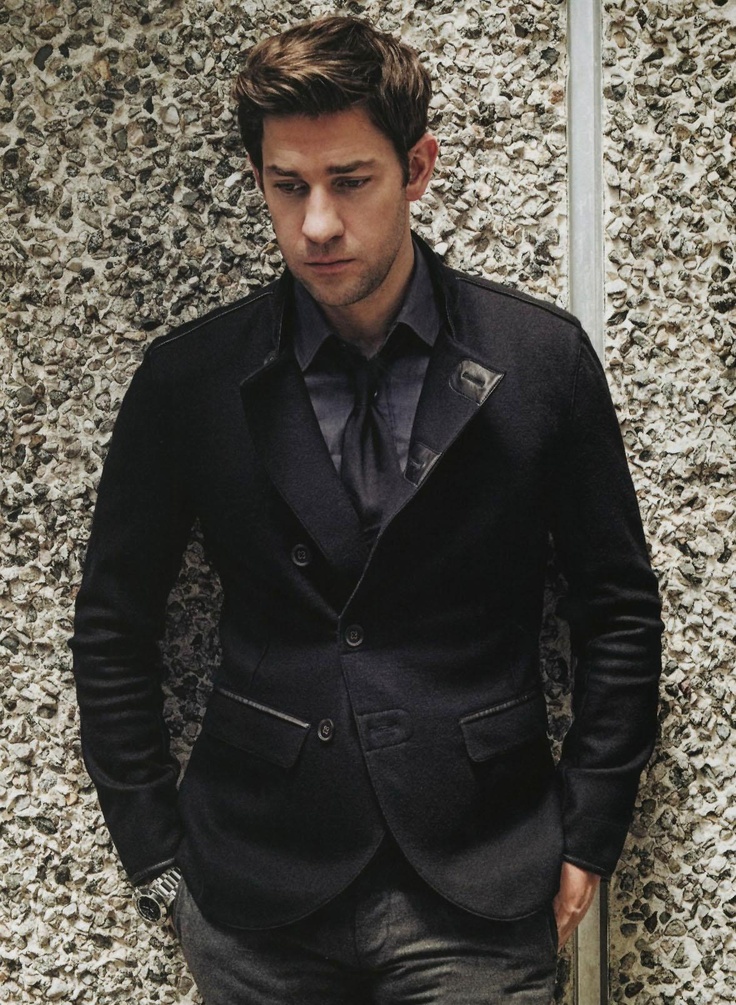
x,y
577,889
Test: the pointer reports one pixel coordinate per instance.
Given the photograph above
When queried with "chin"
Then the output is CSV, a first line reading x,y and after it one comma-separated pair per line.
x,y
330,294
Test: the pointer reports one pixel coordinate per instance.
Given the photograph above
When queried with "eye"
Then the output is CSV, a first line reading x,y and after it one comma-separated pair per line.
x,y
352,183
290,187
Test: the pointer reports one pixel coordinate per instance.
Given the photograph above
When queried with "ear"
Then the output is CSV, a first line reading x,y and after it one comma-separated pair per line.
x,y
422,158
256,173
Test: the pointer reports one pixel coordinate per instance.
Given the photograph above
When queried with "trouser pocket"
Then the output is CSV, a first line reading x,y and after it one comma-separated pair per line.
x,y
553,929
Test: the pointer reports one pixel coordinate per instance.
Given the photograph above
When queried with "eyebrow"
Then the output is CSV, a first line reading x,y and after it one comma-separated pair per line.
x,y
334,169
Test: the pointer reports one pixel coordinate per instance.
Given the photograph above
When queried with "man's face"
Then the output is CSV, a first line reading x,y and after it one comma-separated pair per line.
x,y
335,191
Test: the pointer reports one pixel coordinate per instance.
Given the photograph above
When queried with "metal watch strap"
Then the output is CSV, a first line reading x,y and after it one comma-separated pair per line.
x,y
154,900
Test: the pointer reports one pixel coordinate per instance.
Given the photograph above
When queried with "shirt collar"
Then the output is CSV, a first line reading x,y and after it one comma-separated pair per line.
x,y
419,311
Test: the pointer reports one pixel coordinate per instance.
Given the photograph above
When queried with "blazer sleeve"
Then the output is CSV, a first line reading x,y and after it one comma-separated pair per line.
x,y
139,531
613,609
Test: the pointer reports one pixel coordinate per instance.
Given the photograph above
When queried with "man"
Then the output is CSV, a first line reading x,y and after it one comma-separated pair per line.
x,y
376,448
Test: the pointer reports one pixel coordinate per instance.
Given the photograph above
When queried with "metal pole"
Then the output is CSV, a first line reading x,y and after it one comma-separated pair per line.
x,y
585,169
587,301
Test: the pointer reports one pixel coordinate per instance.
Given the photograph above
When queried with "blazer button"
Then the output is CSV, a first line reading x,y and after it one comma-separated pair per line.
x,y
301,555
354,636
326,730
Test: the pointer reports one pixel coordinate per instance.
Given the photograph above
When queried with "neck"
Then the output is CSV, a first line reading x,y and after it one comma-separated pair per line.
x,y
365,323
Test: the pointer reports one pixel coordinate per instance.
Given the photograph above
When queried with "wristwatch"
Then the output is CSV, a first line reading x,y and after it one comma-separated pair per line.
x,y
154,901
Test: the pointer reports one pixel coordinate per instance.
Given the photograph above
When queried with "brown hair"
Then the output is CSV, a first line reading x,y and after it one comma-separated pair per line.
x,y
329,65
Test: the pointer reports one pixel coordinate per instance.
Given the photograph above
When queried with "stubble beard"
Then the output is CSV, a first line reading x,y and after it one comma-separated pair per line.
x,y
365,284
362,286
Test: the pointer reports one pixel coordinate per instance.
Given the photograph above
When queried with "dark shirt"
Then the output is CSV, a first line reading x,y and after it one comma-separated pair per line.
x,y
326,362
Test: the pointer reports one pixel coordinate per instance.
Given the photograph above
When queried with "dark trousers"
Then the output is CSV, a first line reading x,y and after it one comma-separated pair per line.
x,y
389,939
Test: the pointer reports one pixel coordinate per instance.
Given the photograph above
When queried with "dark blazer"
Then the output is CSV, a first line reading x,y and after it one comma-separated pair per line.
x,y
362,691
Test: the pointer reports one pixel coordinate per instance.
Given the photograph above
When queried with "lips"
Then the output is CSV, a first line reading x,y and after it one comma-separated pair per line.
x,y
334,265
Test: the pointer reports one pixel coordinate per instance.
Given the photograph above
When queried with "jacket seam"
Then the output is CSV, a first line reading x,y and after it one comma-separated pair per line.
x,y
500,707
174,336
261,708
507,291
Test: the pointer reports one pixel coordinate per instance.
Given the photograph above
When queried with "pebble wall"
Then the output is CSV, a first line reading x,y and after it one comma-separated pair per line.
x,y
128,214
670,172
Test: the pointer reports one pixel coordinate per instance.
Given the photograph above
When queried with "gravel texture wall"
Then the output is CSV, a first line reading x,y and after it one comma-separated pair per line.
x,y
128,211
670,152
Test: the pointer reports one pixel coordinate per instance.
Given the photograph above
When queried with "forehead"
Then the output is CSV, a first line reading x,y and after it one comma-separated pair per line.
x,y
300,142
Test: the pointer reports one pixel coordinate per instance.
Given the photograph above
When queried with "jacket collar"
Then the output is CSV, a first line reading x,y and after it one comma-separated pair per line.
x,y
418,311
442,278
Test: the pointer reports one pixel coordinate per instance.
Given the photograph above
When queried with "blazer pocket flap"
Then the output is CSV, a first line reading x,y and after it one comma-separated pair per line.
x,y
255,728
505,725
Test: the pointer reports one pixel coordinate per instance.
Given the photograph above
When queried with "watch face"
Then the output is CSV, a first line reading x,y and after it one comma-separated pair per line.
x,y
149,908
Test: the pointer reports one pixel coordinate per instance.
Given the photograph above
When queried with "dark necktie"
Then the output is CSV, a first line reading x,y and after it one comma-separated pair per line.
x,y
370,466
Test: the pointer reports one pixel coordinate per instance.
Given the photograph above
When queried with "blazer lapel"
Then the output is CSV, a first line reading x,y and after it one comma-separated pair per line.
x,y
455,387
459,380
290,444
457,383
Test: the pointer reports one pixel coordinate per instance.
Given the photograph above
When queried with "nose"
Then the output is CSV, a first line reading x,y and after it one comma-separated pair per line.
x,y
321,221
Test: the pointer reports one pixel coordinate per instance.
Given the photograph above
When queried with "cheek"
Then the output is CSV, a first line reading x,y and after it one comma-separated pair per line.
x,y
280,211
285,226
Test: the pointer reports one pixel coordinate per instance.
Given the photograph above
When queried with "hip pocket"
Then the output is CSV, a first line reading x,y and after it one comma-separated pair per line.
x,y
553,929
